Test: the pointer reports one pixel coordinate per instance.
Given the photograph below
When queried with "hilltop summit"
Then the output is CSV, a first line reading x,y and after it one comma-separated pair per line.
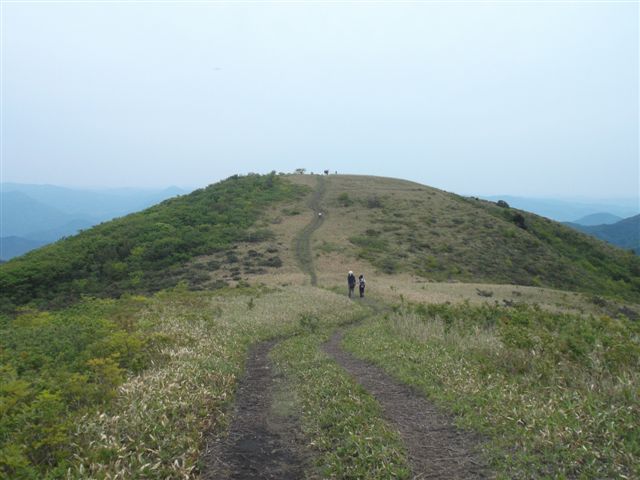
x,y
245,228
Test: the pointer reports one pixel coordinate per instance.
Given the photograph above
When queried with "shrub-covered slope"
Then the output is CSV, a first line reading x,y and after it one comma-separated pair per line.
x,y
401,226
143,251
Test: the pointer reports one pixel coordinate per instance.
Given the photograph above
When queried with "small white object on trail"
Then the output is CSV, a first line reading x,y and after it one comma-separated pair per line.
x,y
319,214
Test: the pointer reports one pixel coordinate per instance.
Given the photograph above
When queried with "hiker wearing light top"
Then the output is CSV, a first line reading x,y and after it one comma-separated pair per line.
x,y
351,281
361,284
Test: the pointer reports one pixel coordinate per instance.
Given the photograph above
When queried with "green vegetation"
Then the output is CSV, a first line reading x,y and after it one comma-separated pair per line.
x,y
441,236
54,366
345,200
341,420
602,269
556,394
126,387
146,251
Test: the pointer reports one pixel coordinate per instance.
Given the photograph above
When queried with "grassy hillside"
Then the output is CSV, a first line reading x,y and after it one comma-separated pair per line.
x,y
244,227
142,385
403,227
145,251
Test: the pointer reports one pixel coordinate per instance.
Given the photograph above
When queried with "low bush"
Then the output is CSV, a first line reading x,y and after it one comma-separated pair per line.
x,y
345,200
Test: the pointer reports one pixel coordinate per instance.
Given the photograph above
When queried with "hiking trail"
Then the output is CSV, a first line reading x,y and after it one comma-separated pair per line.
x,y
436,448
264,440
303,240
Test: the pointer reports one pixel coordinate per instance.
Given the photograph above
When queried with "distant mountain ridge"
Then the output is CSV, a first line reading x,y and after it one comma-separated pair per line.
x,y
624,234
598,219
569,210
100,204
15,246
22,215
34,215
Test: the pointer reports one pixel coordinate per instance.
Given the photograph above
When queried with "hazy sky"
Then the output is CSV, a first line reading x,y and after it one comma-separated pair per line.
x,y
526,98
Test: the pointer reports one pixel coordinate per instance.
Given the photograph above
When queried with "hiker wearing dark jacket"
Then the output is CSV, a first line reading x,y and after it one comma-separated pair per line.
x,y
351,281
361,284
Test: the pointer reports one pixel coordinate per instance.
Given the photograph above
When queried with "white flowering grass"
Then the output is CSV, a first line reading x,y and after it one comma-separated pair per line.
x,y
155,427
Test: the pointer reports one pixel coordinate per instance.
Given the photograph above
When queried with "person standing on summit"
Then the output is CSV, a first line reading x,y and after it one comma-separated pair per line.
x,y
351,281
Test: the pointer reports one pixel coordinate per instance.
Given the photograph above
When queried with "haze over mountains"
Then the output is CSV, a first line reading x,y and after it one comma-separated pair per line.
x,y
577,211
598,219
34,215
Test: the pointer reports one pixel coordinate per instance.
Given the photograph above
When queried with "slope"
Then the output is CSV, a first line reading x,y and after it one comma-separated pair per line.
x,y
145,251
400,227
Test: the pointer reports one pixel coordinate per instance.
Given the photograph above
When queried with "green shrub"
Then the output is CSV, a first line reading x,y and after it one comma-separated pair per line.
x,y
55,365
345,200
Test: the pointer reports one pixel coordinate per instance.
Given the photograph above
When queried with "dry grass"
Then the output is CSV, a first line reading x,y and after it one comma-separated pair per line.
x,y
434,214
378,225
285,221
156,425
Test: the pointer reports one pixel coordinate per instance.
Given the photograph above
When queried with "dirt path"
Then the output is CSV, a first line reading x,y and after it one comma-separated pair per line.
x,y
303,240
264,439
437,449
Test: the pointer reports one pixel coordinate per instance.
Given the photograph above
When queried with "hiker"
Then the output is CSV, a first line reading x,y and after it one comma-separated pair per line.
x,y
351,281
361,284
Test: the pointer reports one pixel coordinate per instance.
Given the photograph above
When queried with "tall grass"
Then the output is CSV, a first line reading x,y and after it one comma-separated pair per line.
x,y
556,394
156,425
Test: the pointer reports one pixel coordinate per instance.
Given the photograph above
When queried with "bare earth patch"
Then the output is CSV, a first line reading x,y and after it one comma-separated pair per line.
x,y
264,440
437,449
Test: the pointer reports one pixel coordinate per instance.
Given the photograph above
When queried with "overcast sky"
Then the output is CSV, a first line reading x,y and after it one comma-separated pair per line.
x,y
534,99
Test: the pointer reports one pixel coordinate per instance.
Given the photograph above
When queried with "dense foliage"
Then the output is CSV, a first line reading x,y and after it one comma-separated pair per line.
x,y
139,252
54,365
